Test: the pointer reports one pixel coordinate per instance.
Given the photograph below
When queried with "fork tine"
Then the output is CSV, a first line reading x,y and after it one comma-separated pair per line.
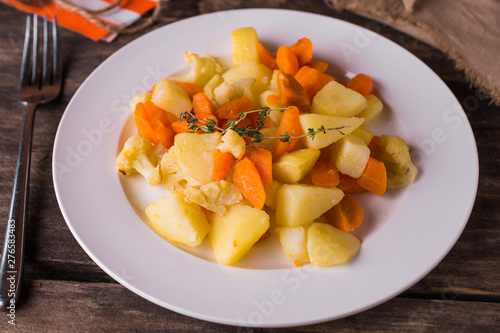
x,y
25,66
46,65
56,62
35,70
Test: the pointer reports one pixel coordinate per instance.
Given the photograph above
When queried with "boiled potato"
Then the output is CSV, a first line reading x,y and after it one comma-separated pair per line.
x,y
194,154
372,110
234,233
350,155
272,193
334,99
178,221
299,204
244,46
364,134
171,98
327,245
291,167
251,70
321,140
294,243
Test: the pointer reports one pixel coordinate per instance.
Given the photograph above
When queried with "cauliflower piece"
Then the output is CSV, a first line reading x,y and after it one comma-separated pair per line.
x,y
209,88
202,69
172,176
139,98
139,156
214,196
232,142
220,91
395,154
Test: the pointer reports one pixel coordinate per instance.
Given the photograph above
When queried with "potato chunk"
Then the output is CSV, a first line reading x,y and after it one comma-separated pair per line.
x,y
336,100
327,245
292,167
350,155
234,234
324,139
194,154
171,97
372,110
178,221
244,45
299,204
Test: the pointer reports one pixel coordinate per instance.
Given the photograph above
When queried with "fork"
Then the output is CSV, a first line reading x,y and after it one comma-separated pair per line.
x,y
40,83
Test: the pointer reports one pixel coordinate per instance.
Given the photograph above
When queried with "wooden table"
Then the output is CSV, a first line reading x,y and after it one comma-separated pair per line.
x,y
65,291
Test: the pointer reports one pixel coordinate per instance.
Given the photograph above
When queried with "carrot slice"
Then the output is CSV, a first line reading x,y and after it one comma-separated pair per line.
x,y
312,80
347,215
375,146
144,127
180,126
263,160
190,88
289,124
292,93
265,57
286,60
202,106
374,177
325,174
160,123
303,50
319,65
246,177
232,109
361,83
349,185
223,163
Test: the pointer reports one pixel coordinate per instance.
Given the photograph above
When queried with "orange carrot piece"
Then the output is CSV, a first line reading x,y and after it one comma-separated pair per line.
x,y
180,126
223,163
325,174
374,177
160,123
375,146
289,124
312,80
246,177
202,106
292,93
265,57
263,160
347,215
349,185
232,109
190,88
144,127
303,50
274,101
319,65
286,60
361,83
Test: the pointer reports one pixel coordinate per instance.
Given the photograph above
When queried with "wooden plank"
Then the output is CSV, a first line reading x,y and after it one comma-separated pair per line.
x,y
70,307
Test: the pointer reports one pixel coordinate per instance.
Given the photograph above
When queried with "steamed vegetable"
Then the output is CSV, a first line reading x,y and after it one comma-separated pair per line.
x,y
139,156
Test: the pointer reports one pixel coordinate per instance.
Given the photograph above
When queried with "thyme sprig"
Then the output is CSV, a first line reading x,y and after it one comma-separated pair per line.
x,y
210,126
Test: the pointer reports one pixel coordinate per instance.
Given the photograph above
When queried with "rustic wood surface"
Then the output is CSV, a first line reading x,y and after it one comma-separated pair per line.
x,y
65,291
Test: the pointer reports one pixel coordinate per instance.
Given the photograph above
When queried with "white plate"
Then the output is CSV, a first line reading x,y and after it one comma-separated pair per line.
x,y
405,235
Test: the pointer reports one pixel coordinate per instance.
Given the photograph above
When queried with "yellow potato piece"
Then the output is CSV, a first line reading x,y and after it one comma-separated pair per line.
x,y
327,245
234,233
176,220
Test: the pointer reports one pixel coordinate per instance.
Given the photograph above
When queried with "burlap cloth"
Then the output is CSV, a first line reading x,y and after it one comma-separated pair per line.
x,y
467,30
